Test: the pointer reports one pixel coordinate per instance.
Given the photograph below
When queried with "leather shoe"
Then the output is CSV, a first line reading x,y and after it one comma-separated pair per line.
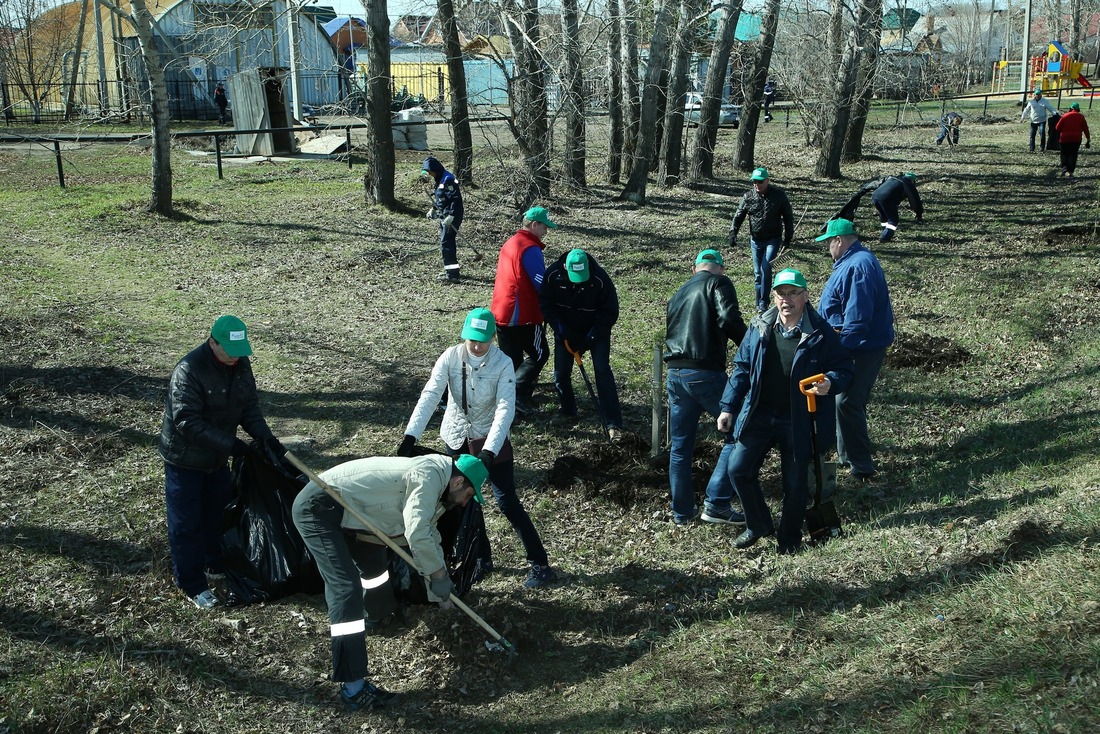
x,y
748,538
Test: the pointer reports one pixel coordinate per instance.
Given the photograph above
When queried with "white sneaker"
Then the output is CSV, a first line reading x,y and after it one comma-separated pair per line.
x,y
205,600
615,434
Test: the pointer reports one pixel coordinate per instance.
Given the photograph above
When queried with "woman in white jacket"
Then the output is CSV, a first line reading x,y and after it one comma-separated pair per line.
x,y
482,386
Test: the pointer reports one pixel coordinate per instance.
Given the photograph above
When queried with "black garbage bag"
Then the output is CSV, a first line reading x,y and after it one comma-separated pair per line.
x,y
264,554
463,534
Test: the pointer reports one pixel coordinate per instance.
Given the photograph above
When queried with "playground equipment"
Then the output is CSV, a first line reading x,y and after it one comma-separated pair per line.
x,y
1053,70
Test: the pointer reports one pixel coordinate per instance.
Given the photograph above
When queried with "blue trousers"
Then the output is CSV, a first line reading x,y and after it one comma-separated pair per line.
x,y
194,501
763,252
765,430
448,244
690,392
606,390
1041,128
853,443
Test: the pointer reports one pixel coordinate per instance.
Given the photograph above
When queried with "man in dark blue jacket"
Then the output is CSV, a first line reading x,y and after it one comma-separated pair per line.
x,y
447,208
763,406
211,392
856,303
579,302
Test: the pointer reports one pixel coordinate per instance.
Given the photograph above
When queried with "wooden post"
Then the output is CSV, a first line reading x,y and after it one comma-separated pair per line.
x,y
658,390
218,152
60,165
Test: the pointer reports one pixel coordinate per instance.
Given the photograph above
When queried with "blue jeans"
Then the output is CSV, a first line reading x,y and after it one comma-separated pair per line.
x,y
853,443
194,501
949,133
607,392
720,488
1041,128
690,392
763,251
760,434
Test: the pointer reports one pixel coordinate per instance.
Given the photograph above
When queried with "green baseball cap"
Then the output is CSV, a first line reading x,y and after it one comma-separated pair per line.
x,y
759,174
1075,106
472,468
836,228
231,333
710,256
480,325
790,276
910,174
576,265
540,215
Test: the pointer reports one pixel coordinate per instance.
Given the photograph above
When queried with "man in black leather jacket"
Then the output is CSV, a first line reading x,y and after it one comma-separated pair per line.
x,y
211,392
702,316
771,227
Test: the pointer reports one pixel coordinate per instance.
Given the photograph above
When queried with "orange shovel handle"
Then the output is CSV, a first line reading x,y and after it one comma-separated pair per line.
x,y
804,387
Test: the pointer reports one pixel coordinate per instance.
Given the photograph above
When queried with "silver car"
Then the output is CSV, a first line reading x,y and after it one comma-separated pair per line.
x,y
728,114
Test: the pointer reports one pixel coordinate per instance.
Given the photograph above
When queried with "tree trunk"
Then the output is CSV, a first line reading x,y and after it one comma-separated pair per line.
x,y
527,98
614,95
573,101
658,65
161,198
745,153
70,101
865,80
379,181
668,172
702,161
832,148
632,102
460,106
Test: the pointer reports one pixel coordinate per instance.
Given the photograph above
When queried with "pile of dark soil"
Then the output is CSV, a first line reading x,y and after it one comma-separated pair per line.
x,y
925,352
621,473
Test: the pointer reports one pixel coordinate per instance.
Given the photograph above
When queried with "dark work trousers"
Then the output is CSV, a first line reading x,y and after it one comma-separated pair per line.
x,y
528,348
448,245
195,501
502,474
607,392
352,571
853,443
1068,153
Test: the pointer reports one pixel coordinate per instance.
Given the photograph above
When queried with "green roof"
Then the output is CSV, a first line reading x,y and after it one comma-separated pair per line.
x,y
894,19
748,26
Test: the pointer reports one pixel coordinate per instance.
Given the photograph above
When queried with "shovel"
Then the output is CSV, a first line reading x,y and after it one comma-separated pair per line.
x,y
591,390
498,643
822,520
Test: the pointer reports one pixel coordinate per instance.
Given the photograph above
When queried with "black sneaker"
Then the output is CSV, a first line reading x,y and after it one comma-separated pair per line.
x,y
723,517
370,698
539,576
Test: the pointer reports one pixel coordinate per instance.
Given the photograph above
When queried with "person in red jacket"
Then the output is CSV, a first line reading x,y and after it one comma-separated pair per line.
x,y
1070,129
521,331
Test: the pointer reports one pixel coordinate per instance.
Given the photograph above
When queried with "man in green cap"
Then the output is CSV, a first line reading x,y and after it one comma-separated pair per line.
x,y
521,268
403,498
1071,128
581,305
702,316
1037,110
856,303
480,382
212,391
762,406
771,227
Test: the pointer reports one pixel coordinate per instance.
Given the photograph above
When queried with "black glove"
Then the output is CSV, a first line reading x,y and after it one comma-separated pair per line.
x,y
441,587
240,448
731,241
406,446
1087,143
275,447
485,456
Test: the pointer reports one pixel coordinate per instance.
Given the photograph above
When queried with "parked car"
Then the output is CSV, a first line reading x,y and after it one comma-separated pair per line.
x,y
728,114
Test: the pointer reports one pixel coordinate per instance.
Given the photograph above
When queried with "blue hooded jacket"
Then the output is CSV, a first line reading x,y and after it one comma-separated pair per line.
x,y
856,301
447,196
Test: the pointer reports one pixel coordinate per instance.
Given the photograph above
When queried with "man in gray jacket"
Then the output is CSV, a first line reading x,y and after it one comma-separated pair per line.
x,y
1037,110
211,392
403,498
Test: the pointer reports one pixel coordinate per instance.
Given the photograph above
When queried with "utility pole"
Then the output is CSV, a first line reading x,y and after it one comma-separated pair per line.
x,y
1024,71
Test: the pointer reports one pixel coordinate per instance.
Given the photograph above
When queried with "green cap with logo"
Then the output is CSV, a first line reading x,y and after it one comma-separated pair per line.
x,y
231,333
710,256
576,265
1075,106
836,228
473,469
790,276
480,325
539,214
759,174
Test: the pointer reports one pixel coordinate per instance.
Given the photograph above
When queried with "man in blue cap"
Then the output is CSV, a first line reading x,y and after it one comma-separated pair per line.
x,y
856,303
212,391
448,210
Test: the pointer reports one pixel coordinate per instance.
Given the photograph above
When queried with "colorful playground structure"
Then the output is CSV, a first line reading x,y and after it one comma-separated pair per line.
x,y
1051,71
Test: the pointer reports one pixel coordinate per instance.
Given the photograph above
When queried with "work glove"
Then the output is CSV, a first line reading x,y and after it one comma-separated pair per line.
x,y
240,449
442,587
485,456
731,242
583,344
447,220
1087,143
431,213
405,448
275,447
